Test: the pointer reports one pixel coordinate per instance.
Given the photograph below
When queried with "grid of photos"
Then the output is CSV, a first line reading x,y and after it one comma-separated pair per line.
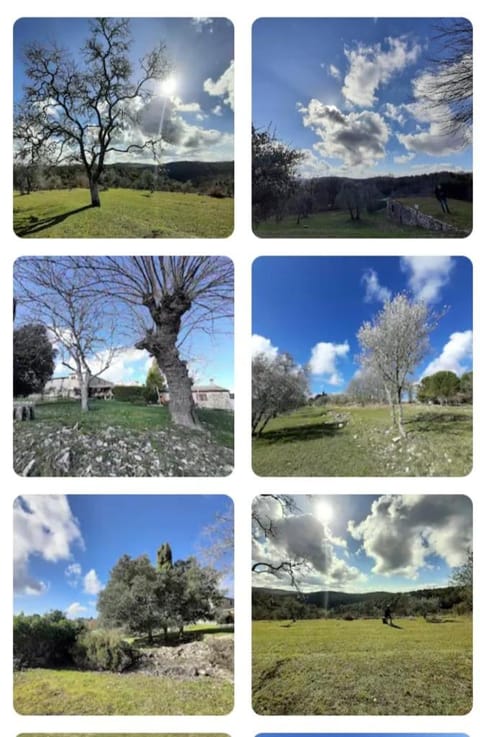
x,y
129,364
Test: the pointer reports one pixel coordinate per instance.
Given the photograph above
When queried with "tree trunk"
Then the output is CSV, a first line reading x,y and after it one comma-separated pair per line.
x,y
401,429
84,382
94,195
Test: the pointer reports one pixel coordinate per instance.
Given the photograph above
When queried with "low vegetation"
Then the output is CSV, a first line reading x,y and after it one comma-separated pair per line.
x,y
362,667
360,441
125,213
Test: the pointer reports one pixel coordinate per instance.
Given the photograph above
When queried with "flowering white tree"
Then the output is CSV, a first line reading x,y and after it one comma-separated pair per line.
x,y
278,385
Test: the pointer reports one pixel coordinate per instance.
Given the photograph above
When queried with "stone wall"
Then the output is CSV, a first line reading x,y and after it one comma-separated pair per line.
x,y
405,215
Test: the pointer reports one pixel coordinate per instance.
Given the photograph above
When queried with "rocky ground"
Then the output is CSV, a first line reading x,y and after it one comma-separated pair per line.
x,y
41,449
210,657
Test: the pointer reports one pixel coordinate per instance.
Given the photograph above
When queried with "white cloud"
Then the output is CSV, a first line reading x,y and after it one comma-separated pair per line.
x,y
263,346
334,71
217,110
185,107
128,365
323,361
374,292
394,112
222,87
358,139
404,158
91,583
456,355
202,24
427,275
73,574
44,526
311,165
75,610
401,532
372,66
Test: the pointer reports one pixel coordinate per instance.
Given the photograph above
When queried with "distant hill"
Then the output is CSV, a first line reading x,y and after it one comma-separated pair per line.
x,y
270,603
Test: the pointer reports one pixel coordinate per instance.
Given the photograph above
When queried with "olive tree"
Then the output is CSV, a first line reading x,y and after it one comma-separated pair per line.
x,y
278,385
394,343
33,359
79,108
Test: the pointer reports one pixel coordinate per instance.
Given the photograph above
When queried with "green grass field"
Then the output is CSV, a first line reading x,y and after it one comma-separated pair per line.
x,y
103,414
309,442
337,224
42,691
124,213
121,734
362,667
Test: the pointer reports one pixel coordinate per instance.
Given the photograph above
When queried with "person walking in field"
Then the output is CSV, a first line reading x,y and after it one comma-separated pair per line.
x,y
387,615
441,196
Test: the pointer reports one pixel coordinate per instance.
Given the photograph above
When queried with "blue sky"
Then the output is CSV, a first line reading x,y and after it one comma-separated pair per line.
x,y
199,102
366,542
313,307
348,92
65,546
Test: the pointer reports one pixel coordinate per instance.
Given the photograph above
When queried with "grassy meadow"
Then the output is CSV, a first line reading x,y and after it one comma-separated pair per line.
x,y
362,667
360,441
124,213
140,417
48,691
337,223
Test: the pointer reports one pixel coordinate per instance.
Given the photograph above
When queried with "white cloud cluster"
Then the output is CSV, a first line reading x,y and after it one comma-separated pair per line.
x,y
427,275
202,24
91,583
301,538
222,87
334,71
263,346
323,361
401,532
374,291
456,355
373,66
73,573
358,139
75,610
44,526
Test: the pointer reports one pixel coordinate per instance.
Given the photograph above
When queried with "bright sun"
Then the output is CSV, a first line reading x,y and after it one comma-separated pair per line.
x,y
323,510
168,85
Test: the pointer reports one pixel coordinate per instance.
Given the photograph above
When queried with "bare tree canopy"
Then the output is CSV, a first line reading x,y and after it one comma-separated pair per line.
x,y
170,296
84,329
80,108
450,82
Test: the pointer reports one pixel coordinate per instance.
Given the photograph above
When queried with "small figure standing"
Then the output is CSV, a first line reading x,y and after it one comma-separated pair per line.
x,y
387,615
442,198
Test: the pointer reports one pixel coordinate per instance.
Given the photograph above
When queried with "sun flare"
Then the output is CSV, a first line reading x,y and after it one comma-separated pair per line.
x,y
323,510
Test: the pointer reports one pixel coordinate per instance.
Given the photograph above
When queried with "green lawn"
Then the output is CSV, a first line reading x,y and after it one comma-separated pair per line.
x,y
124,213
140,417
359,441
362,667
42,691
337,224
121,734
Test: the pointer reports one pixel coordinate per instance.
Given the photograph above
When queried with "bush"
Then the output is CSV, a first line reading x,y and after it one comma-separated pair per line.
x,y
133,394
44,641
103,650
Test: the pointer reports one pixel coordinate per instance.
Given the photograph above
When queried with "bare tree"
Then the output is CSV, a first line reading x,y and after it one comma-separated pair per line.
x,y
171,296
81,112
53,292
264,528
394,343
450,81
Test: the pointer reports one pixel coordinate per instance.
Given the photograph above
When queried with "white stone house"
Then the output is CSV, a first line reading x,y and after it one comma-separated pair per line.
x,y
208,396
68,387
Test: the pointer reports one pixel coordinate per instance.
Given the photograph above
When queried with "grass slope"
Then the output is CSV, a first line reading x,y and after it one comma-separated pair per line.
x,y
121,734
103,414
362,667
42,691
309,442
124,213
337,224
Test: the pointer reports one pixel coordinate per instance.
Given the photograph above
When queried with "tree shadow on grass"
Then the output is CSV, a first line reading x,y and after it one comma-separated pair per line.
x,y
174,639
301,432
36,225
433,422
